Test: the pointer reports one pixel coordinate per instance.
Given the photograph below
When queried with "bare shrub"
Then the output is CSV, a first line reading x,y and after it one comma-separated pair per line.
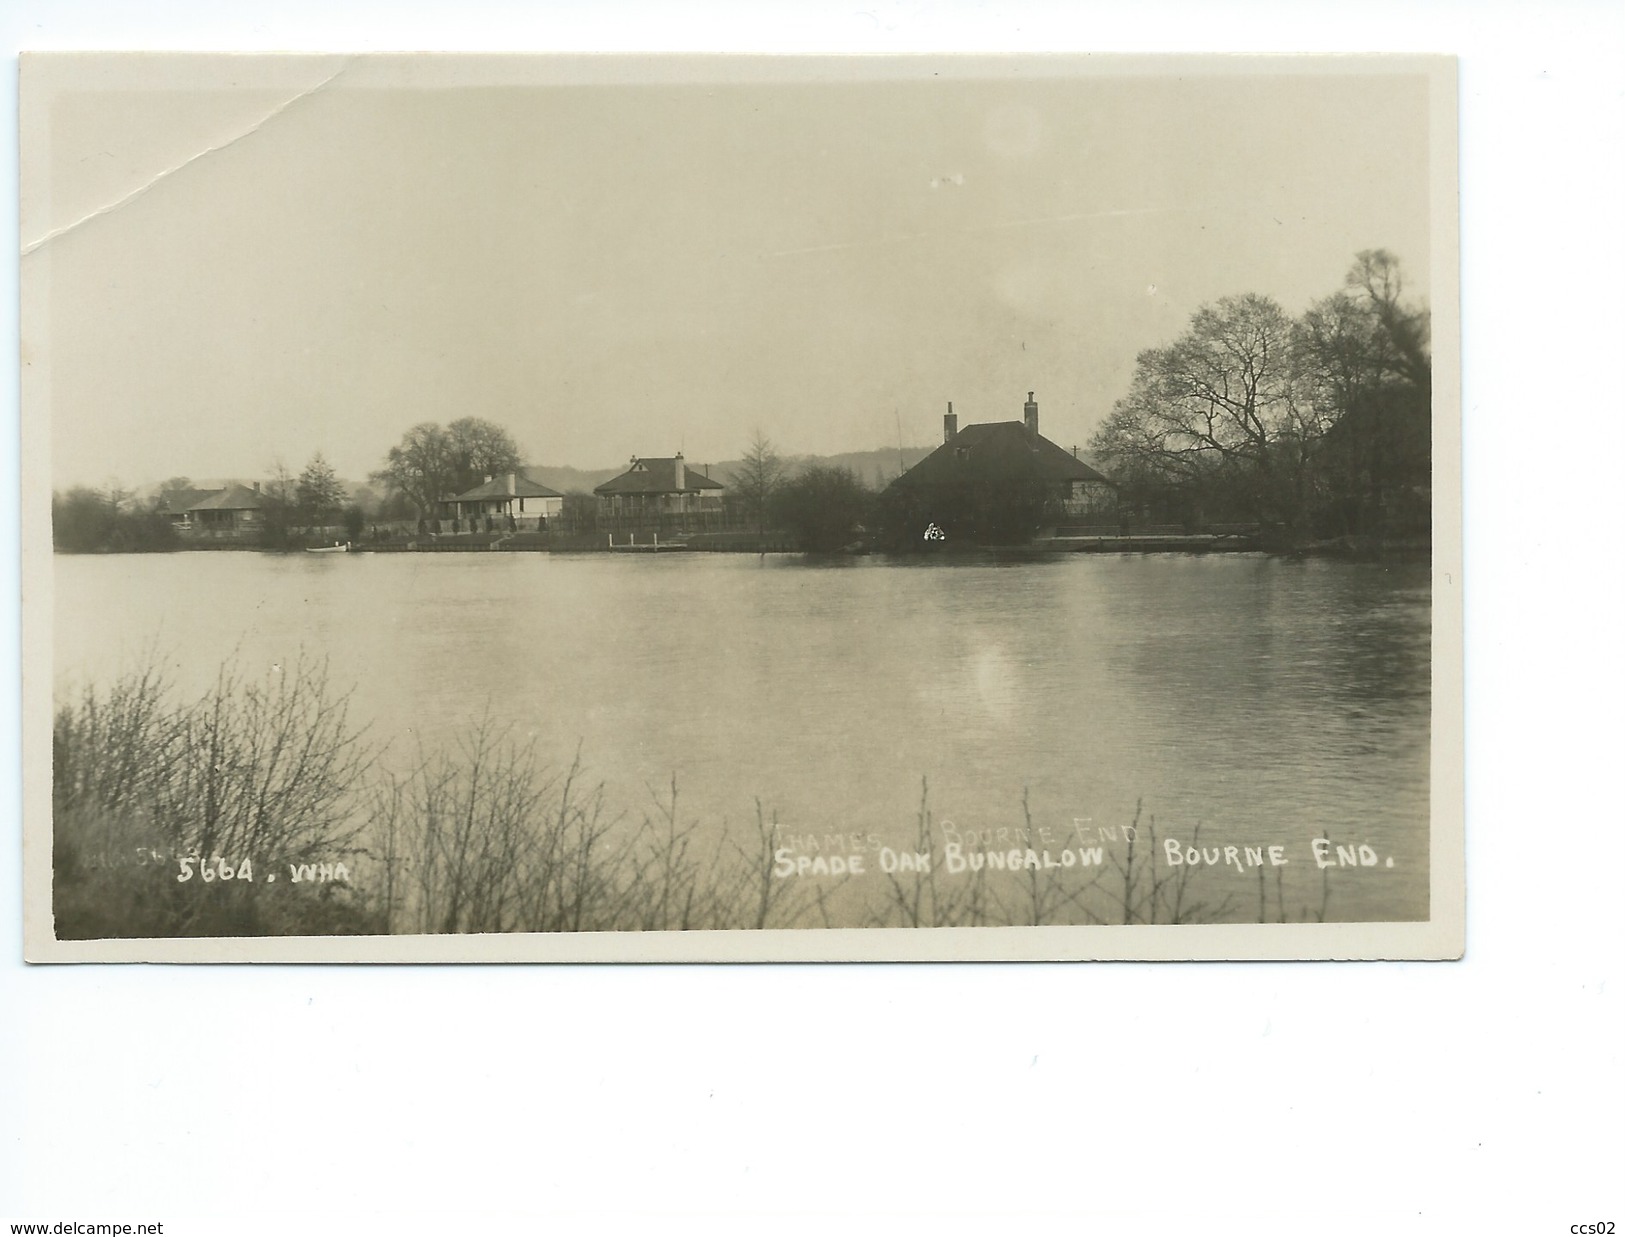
x,y
1048,896
916,898
487,839
1153,895
154,804
484,839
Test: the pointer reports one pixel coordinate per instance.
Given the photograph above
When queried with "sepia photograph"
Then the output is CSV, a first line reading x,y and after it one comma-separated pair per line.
x,y
740,508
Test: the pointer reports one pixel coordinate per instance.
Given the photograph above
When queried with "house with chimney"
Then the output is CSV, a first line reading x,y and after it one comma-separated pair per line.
x,y
998,481
177,505
511,494
231,512
660,494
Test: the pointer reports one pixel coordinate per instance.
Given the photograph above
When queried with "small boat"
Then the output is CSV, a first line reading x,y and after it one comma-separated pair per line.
x,y
338,547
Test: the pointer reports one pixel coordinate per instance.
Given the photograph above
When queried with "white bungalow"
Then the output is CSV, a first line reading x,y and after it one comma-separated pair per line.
x,y
512,494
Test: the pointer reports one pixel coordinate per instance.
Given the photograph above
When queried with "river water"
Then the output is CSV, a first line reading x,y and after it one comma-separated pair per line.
x,y
1265,700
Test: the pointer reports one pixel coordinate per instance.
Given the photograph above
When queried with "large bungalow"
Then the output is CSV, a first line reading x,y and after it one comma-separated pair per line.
x,y
512,494
656,493
995,478
232,511
177,505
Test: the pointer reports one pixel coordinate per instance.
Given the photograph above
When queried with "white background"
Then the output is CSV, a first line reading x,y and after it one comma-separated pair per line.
x,y
1481,1096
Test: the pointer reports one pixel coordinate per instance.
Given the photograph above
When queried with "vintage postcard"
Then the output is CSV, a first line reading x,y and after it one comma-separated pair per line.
x,y
730,508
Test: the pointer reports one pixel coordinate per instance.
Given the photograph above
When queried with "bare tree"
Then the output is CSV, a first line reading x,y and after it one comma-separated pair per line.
x,y
1363,364
1217,410
1363,337
279,504
431,462
421,467
480,449
1405,328
758,478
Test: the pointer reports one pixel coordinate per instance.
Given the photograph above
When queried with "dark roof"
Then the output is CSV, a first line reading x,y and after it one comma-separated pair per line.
x,y
233,498
497,487
649,476
999,452
178,501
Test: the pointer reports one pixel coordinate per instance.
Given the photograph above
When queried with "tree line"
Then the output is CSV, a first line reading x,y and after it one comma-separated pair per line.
x,y
430,462
111,519
1319,426
823,507
87,520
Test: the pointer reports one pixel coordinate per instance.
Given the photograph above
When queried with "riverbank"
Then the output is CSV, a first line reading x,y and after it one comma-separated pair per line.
x,y
1197,543
1063,542
1229,543
1358,549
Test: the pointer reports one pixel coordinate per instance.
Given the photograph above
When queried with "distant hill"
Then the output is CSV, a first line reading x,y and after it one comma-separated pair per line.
x,y
876,469
873,468
567,480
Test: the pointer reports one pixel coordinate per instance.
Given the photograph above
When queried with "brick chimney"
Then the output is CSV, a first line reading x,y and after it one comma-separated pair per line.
x,y
1029,413
950,424
513,487
679,472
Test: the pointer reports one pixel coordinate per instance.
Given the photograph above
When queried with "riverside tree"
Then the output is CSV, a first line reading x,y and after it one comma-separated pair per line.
x,y
824,506
279,507
480,449
1214,413
433,462
1363,355
1292,422
318,495
758,479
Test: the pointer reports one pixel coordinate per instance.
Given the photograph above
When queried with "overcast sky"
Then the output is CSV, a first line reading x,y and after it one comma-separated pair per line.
x,y
264,270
